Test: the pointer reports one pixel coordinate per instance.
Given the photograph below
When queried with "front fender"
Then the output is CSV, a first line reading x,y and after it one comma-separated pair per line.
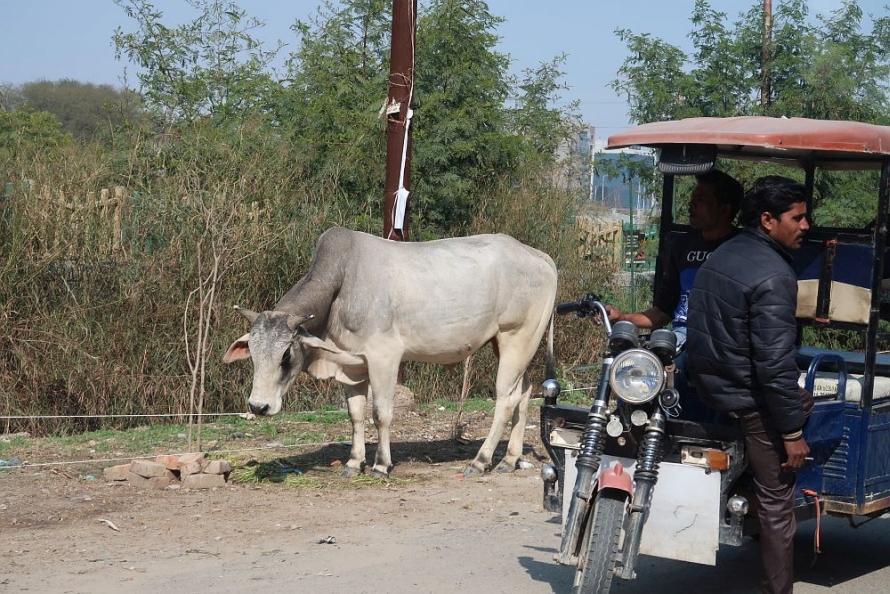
x,y
615,477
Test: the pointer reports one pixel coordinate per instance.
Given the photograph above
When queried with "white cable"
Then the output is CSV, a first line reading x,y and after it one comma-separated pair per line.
x,y
30,417
402,193
97,460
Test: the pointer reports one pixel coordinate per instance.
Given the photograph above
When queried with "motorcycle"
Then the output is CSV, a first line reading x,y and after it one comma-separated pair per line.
x,y
629,441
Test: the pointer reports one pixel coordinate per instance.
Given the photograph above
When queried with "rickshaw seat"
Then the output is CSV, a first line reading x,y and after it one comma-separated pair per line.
x,y
826,378
834,285
854,361
826,386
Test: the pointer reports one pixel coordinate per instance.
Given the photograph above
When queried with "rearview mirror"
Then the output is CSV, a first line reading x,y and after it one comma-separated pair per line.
x,y
687,159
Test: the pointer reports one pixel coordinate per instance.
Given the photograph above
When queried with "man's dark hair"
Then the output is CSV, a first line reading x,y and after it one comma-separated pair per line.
x,y
726,189
774,194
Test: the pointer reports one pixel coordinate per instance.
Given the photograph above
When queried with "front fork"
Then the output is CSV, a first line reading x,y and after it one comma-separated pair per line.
x,y
592,445
645,477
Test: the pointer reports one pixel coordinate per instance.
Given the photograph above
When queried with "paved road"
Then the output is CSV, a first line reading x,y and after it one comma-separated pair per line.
x,y
489,553
853,560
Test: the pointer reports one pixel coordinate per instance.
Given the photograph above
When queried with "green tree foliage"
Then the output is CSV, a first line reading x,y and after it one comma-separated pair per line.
x,y
26,126
330,108
209,67
464,135
85,110
830,70
653,79
329,104
460,120
718,86
542,126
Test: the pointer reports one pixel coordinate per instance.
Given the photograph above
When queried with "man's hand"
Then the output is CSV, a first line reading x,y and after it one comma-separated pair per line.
x,y
614,314
645,320
797,455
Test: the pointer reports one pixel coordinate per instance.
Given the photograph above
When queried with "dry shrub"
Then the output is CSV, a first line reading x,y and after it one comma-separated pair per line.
x,y
92,310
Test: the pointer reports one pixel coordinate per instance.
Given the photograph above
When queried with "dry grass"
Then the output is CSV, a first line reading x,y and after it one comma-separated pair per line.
x,y
92,298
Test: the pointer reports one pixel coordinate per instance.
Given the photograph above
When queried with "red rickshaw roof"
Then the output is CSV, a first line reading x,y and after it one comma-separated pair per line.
x,y
830,144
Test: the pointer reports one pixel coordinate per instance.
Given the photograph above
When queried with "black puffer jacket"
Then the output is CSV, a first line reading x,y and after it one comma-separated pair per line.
x,y
742,332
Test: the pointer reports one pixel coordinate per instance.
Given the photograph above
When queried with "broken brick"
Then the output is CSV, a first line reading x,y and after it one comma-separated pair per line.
x,y
203,481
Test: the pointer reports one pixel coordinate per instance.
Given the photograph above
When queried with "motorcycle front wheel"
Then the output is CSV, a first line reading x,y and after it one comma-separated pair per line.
x,y
603,544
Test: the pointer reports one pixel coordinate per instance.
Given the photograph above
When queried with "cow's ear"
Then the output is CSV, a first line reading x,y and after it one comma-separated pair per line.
x,y
342,357
303,337
239,350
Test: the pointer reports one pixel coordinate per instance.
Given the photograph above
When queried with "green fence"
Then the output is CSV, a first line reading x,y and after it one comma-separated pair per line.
x,y
639,247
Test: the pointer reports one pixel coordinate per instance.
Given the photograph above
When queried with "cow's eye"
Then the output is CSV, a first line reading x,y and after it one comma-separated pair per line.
x,y
285,359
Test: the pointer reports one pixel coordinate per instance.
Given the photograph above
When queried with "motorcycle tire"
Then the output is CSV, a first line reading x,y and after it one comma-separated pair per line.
x,y
603,544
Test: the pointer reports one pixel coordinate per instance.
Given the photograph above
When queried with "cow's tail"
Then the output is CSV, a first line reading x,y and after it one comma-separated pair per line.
x,y
550,368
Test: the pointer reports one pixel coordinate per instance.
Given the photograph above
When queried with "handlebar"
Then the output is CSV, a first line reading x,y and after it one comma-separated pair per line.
x,y
583,307
588,305
666,348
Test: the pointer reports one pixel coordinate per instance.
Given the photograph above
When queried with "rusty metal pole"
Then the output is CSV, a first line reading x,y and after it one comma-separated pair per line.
x,y
398,120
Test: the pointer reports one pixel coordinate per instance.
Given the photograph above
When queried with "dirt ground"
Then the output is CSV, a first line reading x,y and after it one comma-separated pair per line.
x,y
426,530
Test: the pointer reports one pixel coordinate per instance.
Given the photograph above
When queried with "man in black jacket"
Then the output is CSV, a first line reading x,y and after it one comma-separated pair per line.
x,y
741,347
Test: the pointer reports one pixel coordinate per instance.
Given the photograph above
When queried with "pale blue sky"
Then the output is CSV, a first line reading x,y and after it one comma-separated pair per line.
x,y
54,39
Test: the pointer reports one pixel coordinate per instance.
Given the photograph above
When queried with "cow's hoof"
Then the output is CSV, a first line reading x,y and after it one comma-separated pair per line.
x,y
379,474
471,471
503,467
349,472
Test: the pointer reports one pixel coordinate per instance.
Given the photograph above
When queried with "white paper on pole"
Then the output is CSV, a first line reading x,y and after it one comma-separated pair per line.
x,y
402,194
401,204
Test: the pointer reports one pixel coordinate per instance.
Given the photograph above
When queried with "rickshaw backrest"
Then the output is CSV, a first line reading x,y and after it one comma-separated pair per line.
x,y
834,281
834,287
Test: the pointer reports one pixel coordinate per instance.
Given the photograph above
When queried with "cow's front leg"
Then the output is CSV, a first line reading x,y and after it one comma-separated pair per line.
x,y
383,386
356,397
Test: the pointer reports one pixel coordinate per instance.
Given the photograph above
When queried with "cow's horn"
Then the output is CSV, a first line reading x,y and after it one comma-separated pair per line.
x,y
247,313
294,322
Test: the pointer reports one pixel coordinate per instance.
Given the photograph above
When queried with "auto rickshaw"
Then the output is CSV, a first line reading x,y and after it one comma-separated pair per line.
x,y
631,472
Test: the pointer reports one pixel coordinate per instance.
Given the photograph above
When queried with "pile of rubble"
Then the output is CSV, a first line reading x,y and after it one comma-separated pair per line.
x,y
190,471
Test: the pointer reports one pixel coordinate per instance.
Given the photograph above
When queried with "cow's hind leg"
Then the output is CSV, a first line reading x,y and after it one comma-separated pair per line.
x,y
510,384
356,397
517,433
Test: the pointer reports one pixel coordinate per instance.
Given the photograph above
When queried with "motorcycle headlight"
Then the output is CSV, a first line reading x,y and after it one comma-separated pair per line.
x,y
637,376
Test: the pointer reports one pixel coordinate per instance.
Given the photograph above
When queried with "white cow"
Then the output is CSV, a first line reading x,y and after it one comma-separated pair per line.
x,y
367,304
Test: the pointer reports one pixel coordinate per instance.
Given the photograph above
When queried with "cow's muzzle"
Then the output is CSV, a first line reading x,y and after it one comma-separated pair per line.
x,y
258,409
